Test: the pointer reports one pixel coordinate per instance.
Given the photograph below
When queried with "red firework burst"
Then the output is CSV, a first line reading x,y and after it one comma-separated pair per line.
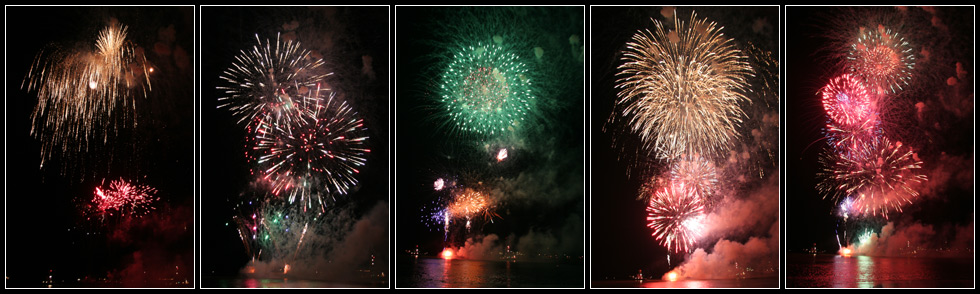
x,y
676,215
124,198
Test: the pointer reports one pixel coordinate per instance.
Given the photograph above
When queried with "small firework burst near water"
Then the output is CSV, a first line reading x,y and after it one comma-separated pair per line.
x,y
878,177
681,91
315,156
124,198
486,90
676,216
270,80
468,203
86,97
882,58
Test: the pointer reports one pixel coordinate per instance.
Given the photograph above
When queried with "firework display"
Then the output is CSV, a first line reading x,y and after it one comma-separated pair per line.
x,y
305,145
862,167
124,198
486,89
681,90
676,215
291,157
272,80
87,97
882,58
878,177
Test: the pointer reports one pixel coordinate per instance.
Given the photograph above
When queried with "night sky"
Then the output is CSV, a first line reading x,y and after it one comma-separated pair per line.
x,y
941,133
621,242
46,229
538,189
343,36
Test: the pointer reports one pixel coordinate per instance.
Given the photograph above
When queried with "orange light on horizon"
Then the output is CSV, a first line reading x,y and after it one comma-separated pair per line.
x,y
845,251
447,253
672,276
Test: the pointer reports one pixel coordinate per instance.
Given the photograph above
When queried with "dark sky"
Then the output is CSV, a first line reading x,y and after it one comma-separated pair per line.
x,y
944,128
225,171
621,242
548,170
45,227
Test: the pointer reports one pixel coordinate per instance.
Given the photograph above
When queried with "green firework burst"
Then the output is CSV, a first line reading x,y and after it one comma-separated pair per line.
x,y
486,90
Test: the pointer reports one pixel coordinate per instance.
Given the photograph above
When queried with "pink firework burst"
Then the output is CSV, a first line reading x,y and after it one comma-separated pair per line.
x,y
847,101
882,58
696,173
879,176
124,198
676,215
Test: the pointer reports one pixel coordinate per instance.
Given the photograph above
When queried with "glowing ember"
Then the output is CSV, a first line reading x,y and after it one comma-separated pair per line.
x,y
502,154
672,276
447,253
439,184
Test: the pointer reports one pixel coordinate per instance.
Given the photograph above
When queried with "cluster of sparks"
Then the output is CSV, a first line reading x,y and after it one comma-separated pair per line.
x,y
862,168
682,91
486,90
86,97
305,144
124,198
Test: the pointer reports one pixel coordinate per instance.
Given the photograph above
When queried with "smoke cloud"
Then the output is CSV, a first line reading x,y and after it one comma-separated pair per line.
x,y
756,216
357,254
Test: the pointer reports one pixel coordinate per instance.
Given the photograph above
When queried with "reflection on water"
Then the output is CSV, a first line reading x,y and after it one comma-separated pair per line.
x,y
823,271
425,272
277,283
741,283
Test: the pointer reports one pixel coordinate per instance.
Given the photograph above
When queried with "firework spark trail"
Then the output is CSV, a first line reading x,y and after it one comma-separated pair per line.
x,y
681,90
85,97
676,216
879,176
486,90
269,81
883,59
318,156
124,198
